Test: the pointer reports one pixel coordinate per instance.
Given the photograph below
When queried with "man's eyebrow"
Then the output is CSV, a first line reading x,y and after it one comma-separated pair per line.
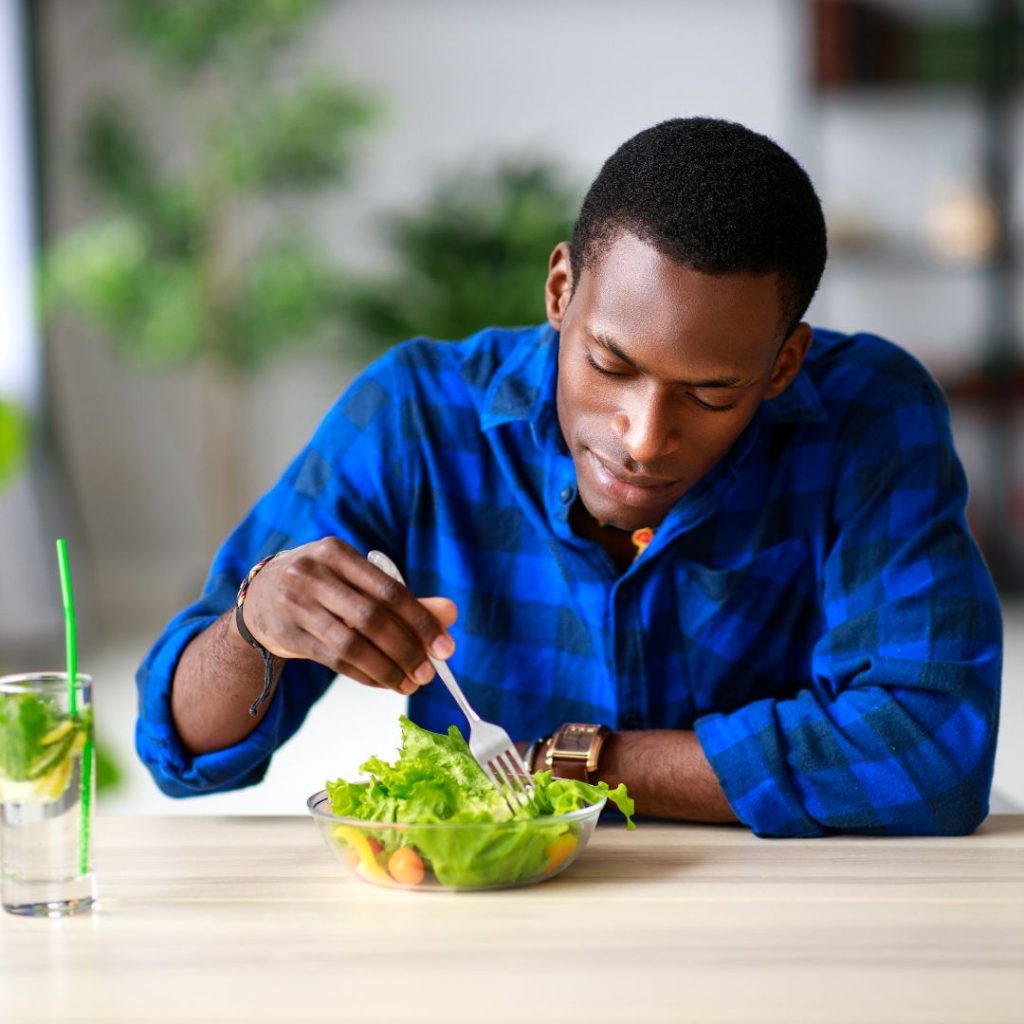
x,y
712,382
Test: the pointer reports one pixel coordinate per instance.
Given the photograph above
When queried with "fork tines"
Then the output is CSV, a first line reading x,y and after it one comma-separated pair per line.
x,y
507,773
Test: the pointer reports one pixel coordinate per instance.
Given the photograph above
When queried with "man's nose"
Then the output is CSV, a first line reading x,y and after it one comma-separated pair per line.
x,y
646,429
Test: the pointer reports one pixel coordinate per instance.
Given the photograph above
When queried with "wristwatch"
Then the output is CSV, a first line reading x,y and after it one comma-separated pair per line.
x,y
575,750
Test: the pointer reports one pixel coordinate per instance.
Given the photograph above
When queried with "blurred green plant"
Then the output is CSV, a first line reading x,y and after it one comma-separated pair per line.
x,y
109,774
14,435
166,271
475,254
198,256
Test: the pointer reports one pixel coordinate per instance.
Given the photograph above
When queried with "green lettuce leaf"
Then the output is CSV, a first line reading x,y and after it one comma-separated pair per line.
x,y
560,796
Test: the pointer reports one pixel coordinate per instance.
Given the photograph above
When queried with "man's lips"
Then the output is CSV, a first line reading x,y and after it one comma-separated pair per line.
x,y
643,480
627,488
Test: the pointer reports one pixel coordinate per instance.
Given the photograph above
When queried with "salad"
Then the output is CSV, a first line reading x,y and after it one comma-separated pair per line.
x,y
38,745
437,782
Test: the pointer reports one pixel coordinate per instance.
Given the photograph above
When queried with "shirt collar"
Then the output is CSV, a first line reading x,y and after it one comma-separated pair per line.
x,y
799,403
523,388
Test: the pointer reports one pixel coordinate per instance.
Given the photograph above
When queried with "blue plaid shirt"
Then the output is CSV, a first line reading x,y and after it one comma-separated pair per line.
x,y
814,608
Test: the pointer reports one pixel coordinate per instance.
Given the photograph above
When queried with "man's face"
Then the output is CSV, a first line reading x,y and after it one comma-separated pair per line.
x,y
660,368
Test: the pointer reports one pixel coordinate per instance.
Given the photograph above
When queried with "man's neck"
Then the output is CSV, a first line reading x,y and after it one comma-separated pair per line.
x,y
618,543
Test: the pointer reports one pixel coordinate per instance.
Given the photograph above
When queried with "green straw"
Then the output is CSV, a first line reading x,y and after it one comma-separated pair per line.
x,y
71,653
70,640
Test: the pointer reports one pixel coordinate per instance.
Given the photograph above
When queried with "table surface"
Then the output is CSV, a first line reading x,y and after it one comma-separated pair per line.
x,y
251,919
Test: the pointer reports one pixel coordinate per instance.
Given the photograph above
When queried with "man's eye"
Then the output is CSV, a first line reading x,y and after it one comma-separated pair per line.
x,y
713,408
604,371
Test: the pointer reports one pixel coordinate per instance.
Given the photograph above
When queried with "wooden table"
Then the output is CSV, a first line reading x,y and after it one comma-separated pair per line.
x,y
250,919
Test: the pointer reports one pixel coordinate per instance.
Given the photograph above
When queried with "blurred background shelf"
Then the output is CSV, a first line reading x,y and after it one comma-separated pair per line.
x,y
915,106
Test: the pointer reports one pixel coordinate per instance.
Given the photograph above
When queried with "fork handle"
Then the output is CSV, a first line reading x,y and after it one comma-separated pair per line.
x,y
382,562
454,689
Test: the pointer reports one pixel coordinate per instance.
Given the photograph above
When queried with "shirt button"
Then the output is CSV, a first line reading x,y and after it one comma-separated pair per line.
x,y
567,494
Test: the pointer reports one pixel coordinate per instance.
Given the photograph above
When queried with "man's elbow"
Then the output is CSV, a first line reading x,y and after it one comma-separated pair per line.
x,y
952,810
936,818
961,821
945,781
166,776
180,786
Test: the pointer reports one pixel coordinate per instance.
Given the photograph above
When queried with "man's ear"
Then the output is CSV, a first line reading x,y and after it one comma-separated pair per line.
x,y
558,287
790,359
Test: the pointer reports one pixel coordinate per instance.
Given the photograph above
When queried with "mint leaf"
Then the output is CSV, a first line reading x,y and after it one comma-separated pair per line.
x,y
26,720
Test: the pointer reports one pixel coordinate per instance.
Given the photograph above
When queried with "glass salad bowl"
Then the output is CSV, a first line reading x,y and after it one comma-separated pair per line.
x,y
456,856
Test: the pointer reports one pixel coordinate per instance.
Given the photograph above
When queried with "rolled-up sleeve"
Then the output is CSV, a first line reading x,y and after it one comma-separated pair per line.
x,y
174,770
895,731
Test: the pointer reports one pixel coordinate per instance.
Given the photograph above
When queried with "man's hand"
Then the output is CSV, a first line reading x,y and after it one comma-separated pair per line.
x,y
324,601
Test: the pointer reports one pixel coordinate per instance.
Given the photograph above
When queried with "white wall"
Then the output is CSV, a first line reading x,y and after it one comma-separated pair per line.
x,y
27,590
466,79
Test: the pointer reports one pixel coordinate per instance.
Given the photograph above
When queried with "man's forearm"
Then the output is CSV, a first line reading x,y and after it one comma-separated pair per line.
x,y
666,773
218,676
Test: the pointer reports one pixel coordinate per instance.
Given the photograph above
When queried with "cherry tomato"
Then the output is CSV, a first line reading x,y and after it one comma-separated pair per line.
x,y
406,866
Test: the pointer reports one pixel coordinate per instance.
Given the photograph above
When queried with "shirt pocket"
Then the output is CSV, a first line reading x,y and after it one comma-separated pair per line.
x,y
750,626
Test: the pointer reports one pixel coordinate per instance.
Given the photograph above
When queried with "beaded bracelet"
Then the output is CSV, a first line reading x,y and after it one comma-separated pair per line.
x,y
243,630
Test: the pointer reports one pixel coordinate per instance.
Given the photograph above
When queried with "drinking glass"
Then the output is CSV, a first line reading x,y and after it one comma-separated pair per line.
x,y
47,785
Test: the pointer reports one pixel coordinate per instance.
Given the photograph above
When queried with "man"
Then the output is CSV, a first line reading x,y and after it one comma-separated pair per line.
x,y
675,511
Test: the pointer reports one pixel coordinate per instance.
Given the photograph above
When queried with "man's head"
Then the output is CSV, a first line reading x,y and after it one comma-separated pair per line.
x,y
680,301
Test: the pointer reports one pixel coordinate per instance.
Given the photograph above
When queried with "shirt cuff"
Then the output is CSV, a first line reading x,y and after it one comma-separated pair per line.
x,y
177,772
747,755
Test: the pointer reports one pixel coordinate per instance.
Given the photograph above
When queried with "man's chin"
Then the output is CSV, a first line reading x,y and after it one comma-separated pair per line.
x,y
622,517
619,503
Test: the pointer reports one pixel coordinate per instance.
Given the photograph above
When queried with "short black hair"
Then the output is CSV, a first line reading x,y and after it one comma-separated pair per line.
x,y
715,197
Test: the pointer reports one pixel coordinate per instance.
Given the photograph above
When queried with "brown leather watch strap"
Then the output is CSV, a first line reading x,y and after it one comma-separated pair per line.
x,y
574,751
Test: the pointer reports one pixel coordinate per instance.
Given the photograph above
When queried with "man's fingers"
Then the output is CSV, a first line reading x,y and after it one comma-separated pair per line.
x,y
348,671
445,611
344,649
350,616
376,623
430,632
352,568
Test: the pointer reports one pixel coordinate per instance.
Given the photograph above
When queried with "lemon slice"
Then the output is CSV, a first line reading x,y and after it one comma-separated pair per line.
x,y
51,785
58,732
52,756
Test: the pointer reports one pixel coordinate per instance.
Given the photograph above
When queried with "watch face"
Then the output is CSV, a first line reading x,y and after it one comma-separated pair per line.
x,y
576,739
576,750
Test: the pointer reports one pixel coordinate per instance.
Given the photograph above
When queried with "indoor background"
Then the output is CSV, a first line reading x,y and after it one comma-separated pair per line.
x,y
213,214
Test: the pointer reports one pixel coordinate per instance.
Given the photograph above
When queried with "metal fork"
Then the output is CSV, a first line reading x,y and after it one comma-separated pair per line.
x,y
489,743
